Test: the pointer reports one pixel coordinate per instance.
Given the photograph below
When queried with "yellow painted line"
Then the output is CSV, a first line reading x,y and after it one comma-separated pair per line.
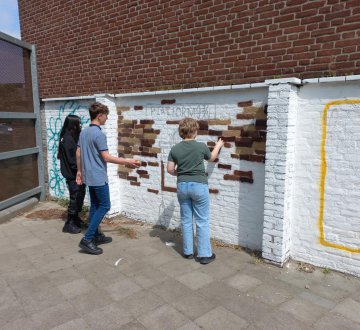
x,y
323,176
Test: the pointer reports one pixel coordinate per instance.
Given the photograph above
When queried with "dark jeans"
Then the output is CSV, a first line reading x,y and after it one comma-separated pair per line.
x,y
77,195
100,205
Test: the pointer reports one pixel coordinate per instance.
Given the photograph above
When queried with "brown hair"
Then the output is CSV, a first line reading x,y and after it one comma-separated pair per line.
x,y
188,128
97,108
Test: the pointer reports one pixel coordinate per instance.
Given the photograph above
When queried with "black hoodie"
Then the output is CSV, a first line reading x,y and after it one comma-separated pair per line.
x,y
67,155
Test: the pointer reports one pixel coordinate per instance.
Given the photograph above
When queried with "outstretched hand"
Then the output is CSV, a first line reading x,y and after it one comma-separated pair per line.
x,y
133,163
220,143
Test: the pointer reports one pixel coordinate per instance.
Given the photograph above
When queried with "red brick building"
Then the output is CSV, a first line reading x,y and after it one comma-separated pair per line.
x,y
86,47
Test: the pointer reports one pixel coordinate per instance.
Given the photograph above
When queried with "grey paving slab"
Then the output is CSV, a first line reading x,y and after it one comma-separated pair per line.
x,y
350,309
90,301
53,316
303,310
164,317
195,279
108,317
270,294
193,305
335,321
45,283
220,318
243,282
37,294
122,288
279,320
141,303
170,290
134,325
75,324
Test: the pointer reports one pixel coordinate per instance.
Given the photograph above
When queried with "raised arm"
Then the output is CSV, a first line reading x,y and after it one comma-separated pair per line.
x,y
118,160
78,164
216,150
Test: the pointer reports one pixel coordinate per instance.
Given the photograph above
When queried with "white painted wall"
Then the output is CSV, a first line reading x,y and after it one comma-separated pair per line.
x,y
342,182
283,203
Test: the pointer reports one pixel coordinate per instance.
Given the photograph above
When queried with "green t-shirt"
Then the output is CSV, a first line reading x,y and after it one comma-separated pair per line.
x,y
189,157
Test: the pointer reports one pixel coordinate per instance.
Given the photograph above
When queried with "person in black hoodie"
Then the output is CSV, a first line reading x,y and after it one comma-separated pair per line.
x,y
68,140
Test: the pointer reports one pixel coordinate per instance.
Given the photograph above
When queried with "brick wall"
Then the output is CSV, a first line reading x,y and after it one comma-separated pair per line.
x,y
86,47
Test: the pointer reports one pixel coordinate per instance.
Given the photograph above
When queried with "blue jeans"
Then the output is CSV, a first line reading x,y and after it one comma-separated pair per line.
x,y
99,206
194,202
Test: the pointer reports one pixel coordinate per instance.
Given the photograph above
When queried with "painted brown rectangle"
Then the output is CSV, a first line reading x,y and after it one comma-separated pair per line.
x,y
228,138
227,145
148,154
123,175
138,107
143,164
156,164
231,177
154,191
146,121
169,189
135,183
213,191
244,142
172,101
244,179
203,125
244,116
224,166
202,132
235,156
245,104
211,144
132,178
213,132
140,126
172,122
247,174
145,176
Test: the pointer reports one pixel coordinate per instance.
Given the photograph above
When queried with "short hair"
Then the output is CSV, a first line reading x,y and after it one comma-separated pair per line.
x,y
97,108
188,128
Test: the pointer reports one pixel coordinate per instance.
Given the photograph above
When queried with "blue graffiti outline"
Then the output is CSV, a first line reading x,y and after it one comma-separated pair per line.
x,y
57,183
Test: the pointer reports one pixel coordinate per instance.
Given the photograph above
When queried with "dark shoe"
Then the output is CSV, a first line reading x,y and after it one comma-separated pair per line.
x,y
188,256
102,239
206,260
89,247
71,228
78,222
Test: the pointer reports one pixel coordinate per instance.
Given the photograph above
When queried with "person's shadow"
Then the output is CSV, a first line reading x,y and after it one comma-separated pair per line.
x,y
170,237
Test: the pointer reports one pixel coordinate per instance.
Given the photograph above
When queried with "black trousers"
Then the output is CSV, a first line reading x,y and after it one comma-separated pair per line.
x,y
77,195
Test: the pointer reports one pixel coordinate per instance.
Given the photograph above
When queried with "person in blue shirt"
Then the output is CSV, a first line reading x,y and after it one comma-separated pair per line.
x,y
92,156
68,140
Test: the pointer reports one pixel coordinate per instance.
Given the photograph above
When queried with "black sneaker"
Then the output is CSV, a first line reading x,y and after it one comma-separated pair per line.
x,y
188,256
90,247
102,239
206,260
71,228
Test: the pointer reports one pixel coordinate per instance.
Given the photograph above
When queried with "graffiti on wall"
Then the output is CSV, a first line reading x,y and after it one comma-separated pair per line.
x,y
138,137
343,108
57,183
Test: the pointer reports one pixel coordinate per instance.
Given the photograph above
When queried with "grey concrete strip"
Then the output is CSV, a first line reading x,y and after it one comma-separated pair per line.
x,y
46,283
11,212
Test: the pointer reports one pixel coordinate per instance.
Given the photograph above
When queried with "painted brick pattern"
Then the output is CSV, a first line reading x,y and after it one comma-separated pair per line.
x,y
117,46
236,185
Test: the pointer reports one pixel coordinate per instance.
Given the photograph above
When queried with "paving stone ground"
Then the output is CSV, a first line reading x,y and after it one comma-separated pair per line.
x,y
47,283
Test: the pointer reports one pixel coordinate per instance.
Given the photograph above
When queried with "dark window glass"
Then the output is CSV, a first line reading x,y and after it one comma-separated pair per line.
x,y
15,79
18,175
17,134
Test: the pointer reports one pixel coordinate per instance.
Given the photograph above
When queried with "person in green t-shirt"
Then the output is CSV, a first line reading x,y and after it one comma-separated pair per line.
x,y
186,161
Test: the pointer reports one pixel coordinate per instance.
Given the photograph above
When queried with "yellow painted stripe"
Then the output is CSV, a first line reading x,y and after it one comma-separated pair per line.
x,y
323,177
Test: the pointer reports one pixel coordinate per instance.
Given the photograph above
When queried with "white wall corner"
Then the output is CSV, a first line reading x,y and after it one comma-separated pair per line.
x,y
279,171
